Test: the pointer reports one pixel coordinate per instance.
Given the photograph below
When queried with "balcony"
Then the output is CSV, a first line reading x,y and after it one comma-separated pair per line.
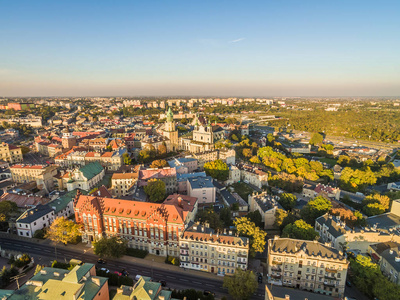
x,y
326,283
184,254
276,276
184,247
274,262
241,262
275,268
329,277
331,270
242,254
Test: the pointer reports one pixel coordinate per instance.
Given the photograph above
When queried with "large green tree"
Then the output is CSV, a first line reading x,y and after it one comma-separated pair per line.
x,y
211,217
241,285
7,208
110,247
217,169
62,231
316,139
315,208
300,230
288,201
155,190
256,235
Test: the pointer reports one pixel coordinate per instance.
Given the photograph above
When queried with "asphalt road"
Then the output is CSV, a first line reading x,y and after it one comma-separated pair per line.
x,y
174,279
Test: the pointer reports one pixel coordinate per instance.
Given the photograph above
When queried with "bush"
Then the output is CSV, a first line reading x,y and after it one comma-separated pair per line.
x,y
22,261
190,294
61,265
39,234
6,274
136,252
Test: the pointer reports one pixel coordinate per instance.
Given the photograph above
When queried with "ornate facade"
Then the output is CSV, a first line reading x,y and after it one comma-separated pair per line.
x,y
148,226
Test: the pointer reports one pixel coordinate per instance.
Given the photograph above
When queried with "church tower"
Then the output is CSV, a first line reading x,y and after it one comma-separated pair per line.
x,y
170,132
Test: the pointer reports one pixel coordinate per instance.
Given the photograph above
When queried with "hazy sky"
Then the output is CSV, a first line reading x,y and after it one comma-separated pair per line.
x,y
238,48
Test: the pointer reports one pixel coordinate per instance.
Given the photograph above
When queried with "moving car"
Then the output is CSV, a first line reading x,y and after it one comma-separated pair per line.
x,y
101,261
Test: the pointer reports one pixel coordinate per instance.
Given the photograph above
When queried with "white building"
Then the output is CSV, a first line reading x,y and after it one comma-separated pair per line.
x,y
34,219
84,178
202,188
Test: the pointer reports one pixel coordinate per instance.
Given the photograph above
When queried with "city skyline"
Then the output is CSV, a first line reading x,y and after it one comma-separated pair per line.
x,y
203,49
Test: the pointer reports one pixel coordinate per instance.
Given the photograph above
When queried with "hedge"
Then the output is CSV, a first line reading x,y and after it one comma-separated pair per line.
x,y
136,252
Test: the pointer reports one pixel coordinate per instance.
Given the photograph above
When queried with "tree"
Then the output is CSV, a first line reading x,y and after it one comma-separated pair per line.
x,y
255,160
217,169
372,209
255,217
211,217
234,138
257,236
226,216
246,152
162,149
110,247
315,208
159,163
155,190
300,230
280,216
360,220
316,139
376,198
288,201
242,284
63,231
7,208
127,159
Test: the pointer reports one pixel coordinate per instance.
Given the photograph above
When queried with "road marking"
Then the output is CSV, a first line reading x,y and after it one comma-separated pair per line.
x,y
196,282
184,280
37,248
172,277
207,284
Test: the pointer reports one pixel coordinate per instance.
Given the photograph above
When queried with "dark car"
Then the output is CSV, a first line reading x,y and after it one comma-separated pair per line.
x,y
163,282
260,278
124,272
101,261
348,283
206,293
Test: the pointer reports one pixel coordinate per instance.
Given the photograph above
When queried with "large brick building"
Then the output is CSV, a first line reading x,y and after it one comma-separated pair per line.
x,y
148,226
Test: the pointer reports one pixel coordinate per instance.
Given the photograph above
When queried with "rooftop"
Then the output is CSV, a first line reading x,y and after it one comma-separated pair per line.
x,y
201,182
33,214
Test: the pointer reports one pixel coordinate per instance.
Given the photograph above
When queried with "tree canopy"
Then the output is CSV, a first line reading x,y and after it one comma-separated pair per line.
x,y
316,139
256,235
110,247
315,208
155,190
7,208
217,169
300,230
159,163
288,201
241,285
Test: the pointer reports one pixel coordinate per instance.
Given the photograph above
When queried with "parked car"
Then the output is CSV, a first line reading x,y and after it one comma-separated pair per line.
x,y
101,261
118,273
260,278
348,283
105,270
206,293
137,277
124,272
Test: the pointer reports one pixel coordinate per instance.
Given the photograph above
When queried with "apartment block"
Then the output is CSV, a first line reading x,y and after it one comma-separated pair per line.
x,y
204,250
307,265
10,153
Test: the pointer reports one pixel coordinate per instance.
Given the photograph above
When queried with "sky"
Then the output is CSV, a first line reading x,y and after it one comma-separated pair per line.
x,y
199,48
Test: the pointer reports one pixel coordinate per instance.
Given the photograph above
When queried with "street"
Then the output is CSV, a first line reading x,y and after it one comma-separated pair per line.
x,y
178,279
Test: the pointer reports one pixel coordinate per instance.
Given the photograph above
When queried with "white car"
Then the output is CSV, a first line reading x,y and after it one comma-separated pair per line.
x,y
105,270
137,277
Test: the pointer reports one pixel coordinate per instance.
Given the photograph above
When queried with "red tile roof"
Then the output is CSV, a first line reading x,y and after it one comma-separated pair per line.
x,y
23,200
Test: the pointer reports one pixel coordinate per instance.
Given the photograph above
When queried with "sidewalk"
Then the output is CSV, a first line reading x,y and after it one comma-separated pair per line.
x,y
156,261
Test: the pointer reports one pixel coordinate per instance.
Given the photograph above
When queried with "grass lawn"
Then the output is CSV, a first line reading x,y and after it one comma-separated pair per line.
x,y
329,161
243,189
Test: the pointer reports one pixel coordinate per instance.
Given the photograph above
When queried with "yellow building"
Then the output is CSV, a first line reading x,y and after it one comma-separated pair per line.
x,y
41,174
10,153
306,265
122,183
204,250
170,132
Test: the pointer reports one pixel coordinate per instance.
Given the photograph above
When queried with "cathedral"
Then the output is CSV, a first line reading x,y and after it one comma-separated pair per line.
x,y
201,139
